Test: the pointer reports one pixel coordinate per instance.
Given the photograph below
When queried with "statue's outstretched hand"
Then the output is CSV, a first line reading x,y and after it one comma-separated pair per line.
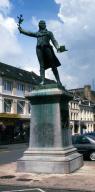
x,y
20,21
20,29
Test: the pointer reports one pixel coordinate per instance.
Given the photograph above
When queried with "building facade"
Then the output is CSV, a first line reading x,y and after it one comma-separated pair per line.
x,y
82,110
15,83
14,107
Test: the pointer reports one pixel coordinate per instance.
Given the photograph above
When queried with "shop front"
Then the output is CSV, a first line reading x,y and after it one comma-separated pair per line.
x,y
13,129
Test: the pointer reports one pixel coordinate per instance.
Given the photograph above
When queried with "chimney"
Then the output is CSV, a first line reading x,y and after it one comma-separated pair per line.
x,y
87,92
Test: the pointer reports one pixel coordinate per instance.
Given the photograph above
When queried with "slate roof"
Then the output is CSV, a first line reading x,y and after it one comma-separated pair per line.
x,y
79,92
86,102
15,73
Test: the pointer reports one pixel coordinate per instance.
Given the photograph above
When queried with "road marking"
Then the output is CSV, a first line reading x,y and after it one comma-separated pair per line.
x,y
19,190
4,151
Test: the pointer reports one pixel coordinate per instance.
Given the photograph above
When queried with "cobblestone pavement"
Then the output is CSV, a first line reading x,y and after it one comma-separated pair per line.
x,y
81,180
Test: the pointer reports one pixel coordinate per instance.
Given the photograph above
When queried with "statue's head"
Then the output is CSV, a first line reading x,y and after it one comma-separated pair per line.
x,y
42,24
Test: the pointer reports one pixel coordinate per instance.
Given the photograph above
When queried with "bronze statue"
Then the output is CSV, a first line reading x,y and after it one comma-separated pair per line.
x,y
46,57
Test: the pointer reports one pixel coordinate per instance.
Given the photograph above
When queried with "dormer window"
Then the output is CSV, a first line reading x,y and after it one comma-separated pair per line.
x,y
7,70
21,74
2,73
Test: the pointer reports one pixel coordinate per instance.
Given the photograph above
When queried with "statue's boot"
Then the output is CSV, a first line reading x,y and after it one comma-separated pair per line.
x,y
55,71
42,74
42,83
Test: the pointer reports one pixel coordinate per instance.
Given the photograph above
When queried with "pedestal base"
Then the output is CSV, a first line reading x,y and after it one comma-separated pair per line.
x,y
50,146
58,161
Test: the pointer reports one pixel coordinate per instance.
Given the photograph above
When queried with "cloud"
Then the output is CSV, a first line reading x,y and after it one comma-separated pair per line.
x,y
76,29
5,6
8,32
9,24
34,22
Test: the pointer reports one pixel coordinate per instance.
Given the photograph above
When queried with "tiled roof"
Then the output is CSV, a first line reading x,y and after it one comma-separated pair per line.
x,y
15,73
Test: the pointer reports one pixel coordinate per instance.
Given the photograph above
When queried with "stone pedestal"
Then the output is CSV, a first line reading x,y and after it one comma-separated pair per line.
x,y
50,147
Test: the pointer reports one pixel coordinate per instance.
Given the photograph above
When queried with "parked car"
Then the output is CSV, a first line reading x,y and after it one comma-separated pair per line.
x,y
90,133
85,145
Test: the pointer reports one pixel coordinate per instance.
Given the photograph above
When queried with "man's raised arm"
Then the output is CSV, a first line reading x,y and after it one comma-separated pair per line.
x,y
28,33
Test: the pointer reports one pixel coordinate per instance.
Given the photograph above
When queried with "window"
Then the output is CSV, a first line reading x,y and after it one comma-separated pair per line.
x,y
30,88
20,107
29,108
20,87
7,85
71,116
82,140
7,105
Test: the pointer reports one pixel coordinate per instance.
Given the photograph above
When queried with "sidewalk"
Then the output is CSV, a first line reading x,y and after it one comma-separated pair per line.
x,y
13,146
83,179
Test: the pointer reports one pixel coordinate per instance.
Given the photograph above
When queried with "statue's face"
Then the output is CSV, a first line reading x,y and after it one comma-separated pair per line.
x,y
42,25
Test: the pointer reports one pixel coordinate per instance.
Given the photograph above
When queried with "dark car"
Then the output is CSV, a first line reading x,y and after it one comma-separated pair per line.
x,y
90,133
85,145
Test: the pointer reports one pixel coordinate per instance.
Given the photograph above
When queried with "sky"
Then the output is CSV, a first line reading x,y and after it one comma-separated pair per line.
x,y
73,25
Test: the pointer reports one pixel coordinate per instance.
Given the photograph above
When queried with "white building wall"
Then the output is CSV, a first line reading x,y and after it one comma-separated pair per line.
x,y
1,99
1,85
83,114
1,104
14,95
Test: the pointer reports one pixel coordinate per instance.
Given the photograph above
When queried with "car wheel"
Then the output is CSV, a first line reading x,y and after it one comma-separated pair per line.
x,y
92,156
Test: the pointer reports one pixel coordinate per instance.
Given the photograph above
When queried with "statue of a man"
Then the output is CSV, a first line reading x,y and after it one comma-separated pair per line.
x,y
47,58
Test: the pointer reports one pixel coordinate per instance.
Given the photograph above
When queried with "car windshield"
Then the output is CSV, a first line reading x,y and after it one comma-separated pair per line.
x,y
91,138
